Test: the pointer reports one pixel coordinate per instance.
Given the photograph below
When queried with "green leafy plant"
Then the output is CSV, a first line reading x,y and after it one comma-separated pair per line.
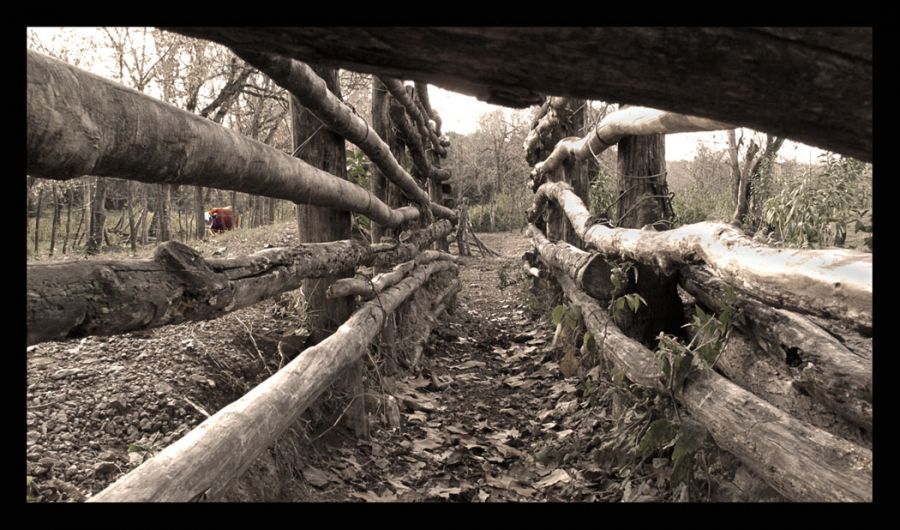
x,y
816,210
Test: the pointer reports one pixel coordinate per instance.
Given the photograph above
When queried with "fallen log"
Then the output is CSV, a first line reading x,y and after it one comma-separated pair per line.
x,y
78,298
799,461
310,89
81,124
398,90
590,270
632,121
834,283
813,85
202,463
368,288
818,362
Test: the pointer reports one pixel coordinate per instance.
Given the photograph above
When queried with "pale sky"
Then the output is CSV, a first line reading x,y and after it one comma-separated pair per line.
x,y
460,114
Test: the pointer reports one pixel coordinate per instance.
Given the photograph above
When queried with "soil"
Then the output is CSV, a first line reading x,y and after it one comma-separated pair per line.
x,y
490,415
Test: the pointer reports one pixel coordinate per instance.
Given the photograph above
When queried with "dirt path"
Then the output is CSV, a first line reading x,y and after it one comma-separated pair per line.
x,y
468,423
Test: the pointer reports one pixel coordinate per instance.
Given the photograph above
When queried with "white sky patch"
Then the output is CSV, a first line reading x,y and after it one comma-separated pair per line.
x,y
458,113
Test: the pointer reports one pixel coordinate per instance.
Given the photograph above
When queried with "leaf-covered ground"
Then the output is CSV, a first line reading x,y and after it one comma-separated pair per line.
x,y
491,417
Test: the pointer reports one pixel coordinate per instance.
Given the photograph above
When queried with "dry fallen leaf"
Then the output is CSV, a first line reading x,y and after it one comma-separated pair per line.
x,y
557,476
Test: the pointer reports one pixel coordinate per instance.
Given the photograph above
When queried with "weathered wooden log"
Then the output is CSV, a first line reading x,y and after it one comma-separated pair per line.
x,y
78,298
413,141
813,85
799,461
202,463
590,270
303,83
743,362
369,288
818,362
632,121
540,137
835,283
81,124
398,90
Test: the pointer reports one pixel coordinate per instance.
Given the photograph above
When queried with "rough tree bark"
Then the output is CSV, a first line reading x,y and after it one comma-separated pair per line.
x,y
325,149
834,283
132,237
799,461
589,270
81,124
809,84
643,200
816,361
203,462
79,298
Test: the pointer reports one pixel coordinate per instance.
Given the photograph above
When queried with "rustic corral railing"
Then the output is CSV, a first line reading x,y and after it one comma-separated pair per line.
x,y
79,123
797,378
789,397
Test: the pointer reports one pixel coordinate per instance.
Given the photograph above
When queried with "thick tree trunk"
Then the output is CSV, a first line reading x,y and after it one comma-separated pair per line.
x,y
813,85
799,461
65,139
310,90
834,283
79,298
643,200
325,149
98,217
207,459
380,184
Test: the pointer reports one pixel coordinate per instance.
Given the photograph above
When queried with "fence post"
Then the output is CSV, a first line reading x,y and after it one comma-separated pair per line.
x,y
322,148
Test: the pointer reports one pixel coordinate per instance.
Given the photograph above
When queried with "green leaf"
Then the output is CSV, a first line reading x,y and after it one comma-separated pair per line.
x,y
633,303
691,436
660,433
558,313
589,341
620,305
